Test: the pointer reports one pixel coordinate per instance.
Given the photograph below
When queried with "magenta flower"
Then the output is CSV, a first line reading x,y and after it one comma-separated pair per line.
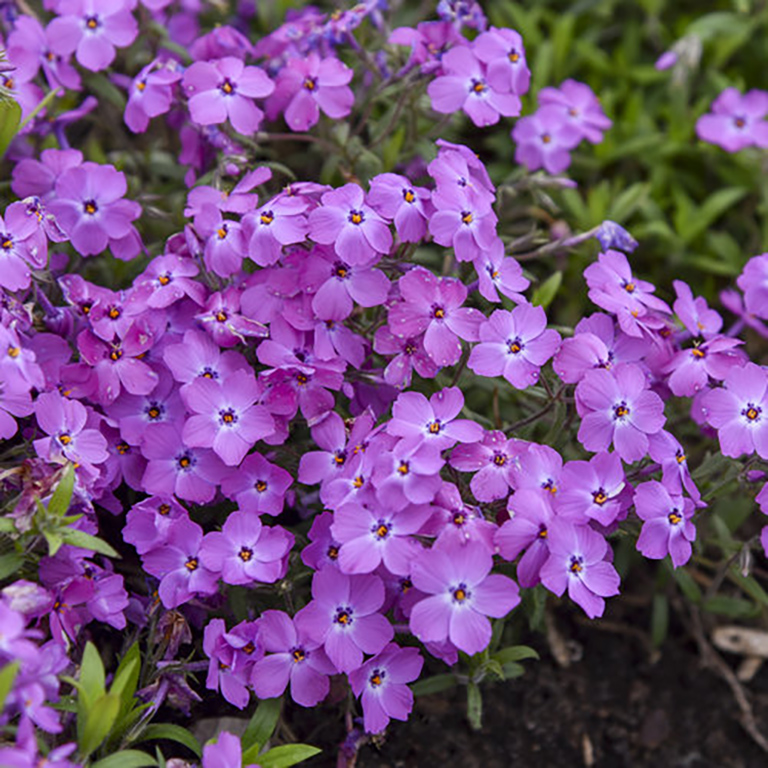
x,y
381,684
464,86
409,355
408,474
739,411
198,356
90,207
690,369
92,29
503,53
17,233
667,527
323,549
753,280
148,522
492,461
592,490
397,200
225,88
151,93
226,752
736,121
515,345
225,416
617,407
666,450
432,306
258,486
343,616
462,593
177,564
694,313
497,273
527,530
292,657
580,107
544,140
280,222
245,551
359,235
168,279
577,562
307,85
466,222
369,537
232,656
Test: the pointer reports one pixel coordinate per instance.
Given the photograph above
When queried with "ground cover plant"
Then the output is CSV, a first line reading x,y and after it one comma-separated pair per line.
x,y
337,346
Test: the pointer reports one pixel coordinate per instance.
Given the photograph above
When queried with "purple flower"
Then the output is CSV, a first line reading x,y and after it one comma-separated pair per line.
x,y
503,53
433,305
580,107
225,88
739,411
611,235
279,222
65,420
258,486
90,207
515,345
492,461
198,356
381,684
232,659
667,451
694,313
148,522
409,354
736,121
466,222
667,527
15,231
544,139
292,657
577,562
91,29
151,93
432,422
369,537
497,273
753,280
323,549
245,551
306,85
690,369
592,490
462,593
617,407
226,752
225,416
396,199
408,474
343,616
168,279
178,566
457,523
359,235
464,85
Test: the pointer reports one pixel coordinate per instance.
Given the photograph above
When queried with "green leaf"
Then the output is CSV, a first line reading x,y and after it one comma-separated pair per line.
x,y
62,496
262,724
545,293
659,620
171,732
10,563
10,117
54,541
126,678
734,607
513,670
128,758
92,673
435,684
515,653
84,540
749,585
474,706
7,676
7,525
687,585
99,720
715,206
286,755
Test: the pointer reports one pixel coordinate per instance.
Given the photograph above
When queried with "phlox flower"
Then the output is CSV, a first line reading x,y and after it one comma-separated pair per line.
x,y
497,273
544,140
753,280
491,460
690,369
381,684
407,206
17,234
503,53
225,752
577,563
462,594
151,93
279,222
592,490
232,656
694,313
409,355
667,526
257,485
580,107
147,523
736,121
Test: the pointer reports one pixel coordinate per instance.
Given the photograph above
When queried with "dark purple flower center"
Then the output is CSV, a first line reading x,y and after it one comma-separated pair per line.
x,y
377,678
154,411
499,459
577,564
65,438
260,486
209,373
515,346
467,217
478,86
739,122
513,56
340,458
222,231
6,242
403,469
245,554
628,286
380,529
460,592
123,448
438,312
115,354
227,87
114,312
675,517
310,83
185,462
356,217
545,138
164,279
298,655
409,348
164,510
549,485
409,196
191,564
343,616
680,456
599,497
459,518
543,532
752,412
333,552
341,270
267,218
90,207
405,585
228,417
92,22
621,410
434,427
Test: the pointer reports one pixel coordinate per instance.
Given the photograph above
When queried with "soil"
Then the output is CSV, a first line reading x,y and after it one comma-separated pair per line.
x,y
618,706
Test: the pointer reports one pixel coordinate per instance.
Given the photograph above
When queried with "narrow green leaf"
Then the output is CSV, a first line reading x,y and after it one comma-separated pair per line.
x,y
7,676
659,620
730,606
262,724
474,706
435,684
687,585
515,653
546,292
10,563
749,585
126,678
128,758
98,723
286,755
513,670
157,731
7,525
54,541
92,673
84,540
62,496
10,117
